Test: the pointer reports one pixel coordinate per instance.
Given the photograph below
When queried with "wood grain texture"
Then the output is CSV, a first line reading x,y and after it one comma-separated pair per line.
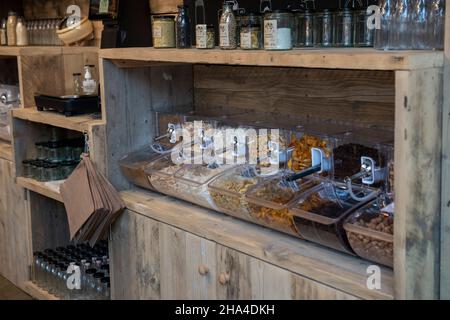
x,y
135,273
15,228
364,98
50,228
39,187
172,247
342,272
43,9
164,6
38,293
339,58
445,208
417,183
132,96
6,152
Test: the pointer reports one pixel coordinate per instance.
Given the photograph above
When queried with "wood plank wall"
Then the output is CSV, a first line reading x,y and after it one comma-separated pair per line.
x,y
42,9
362,98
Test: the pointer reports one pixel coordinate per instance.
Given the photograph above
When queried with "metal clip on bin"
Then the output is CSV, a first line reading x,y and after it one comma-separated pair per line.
x,y
172,134
370,174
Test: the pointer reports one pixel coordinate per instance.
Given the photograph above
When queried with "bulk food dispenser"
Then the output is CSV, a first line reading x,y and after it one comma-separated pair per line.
x,y
334,189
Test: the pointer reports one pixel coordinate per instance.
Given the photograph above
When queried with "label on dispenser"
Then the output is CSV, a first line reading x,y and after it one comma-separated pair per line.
x,y
270,34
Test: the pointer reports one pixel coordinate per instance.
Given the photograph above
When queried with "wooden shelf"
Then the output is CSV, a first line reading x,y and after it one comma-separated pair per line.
x,y
77,123
44,50
41,188
6,151
352,58
37,293
338,270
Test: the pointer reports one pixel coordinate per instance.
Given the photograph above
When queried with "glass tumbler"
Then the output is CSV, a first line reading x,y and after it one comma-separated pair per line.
x,y
305,29
344,28
323,28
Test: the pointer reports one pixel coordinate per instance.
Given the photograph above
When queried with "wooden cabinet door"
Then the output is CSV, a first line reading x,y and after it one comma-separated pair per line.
x,y
135,258
15,228
243,277
187,265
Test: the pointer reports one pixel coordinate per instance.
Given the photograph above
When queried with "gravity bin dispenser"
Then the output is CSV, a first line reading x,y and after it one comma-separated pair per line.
x,y
319,181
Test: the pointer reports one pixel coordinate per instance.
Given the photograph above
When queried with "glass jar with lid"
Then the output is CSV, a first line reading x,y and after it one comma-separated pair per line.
x,y
11,28
344,28
3,38
163,32
323,28
305,27
364,37
205,36
251,33
278,30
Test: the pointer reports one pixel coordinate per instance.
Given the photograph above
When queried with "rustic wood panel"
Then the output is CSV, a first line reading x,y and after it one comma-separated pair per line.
x,y
417,183
201,270
74,63
43,9
50,228
135,272
42,73
364,98
15,230
164,6
445,212
337,270
132,96
172,247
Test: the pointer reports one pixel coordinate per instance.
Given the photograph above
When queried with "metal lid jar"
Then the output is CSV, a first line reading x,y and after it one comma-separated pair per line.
x,y
278,30
305,27
251,32
344,28
323,28
364,37
163,31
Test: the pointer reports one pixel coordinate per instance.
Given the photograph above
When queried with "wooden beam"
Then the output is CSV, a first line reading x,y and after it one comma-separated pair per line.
x,y
445,212
417,183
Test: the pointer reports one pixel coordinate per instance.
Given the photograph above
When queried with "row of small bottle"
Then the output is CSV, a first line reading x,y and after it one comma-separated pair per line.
x,y
411,24
73,272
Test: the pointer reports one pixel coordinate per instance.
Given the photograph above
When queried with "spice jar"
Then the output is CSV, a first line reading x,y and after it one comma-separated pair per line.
x,y
205,36
183,27
227,28
305,29
21,32
251,34
364,37
344,28
164,32
278,30
3,38
323,28
11,28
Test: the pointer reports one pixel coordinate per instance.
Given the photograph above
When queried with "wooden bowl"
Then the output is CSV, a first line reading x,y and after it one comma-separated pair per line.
x,y
76,32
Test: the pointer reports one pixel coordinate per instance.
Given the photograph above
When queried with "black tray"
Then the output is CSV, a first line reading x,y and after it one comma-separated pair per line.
x,y
68,105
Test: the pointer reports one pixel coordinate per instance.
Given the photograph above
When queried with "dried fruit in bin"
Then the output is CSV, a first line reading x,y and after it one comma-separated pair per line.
x,y
301,156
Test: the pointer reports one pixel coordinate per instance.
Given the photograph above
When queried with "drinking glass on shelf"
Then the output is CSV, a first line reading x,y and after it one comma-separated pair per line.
x,y
402,27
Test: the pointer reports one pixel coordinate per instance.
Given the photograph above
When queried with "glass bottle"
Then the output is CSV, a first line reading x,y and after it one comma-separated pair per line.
x,y
106,291
384,34
364,36
323,28
183,28
89,83
437,24
36,276
3,37
21,33
402,28
305,29
77,84
344,28
11,28
227,28
421,34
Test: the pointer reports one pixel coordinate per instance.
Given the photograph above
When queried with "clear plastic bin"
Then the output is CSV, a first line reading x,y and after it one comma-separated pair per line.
x,y
133,166
228,191
269,201
370,232
192,183
319,214
160,173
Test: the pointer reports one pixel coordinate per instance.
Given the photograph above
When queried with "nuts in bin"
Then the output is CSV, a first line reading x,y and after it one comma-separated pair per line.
x,y
370,247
